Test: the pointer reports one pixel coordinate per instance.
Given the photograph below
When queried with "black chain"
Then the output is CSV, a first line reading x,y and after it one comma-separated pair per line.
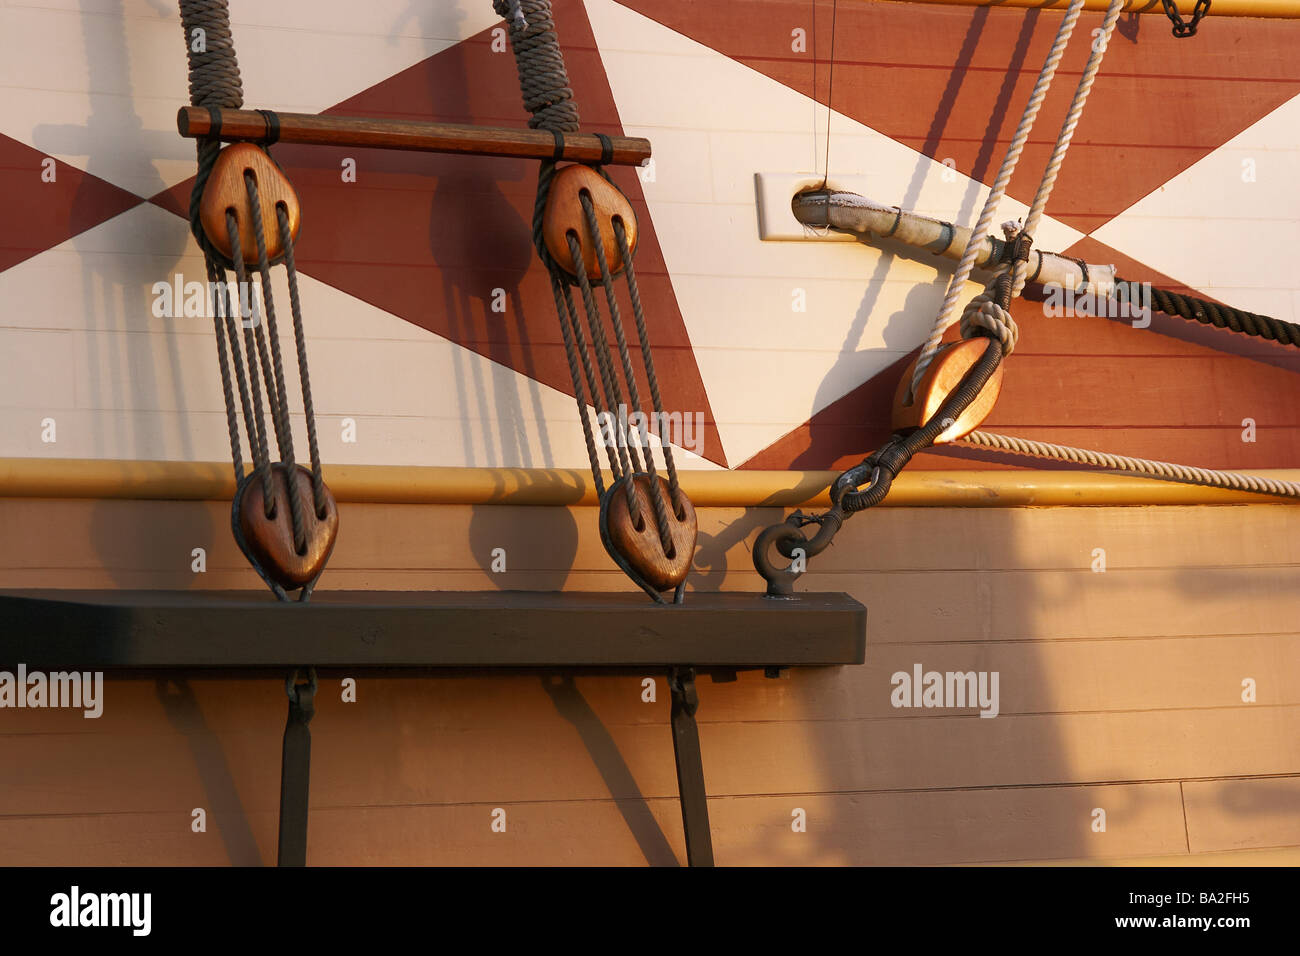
x,y
1185,28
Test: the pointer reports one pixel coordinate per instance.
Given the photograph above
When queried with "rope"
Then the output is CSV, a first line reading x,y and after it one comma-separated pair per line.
x,y
984,315
1166,471
569,328
1220,316
634,393
613,395
543,80
283,432
215,83
544,84
300,341
220,307
1098,51
643,336
958,279
252,347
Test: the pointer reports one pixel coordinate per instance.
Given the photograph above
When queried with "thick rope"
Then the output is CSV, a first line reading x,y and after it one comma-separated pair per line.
x,y
1220,316
543,80
947,312
1165,471
984,315
1036,209
214,82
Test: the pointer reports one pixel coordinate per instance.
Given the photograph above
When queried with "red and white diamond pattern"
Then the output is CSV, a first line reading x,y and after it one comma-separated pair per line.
x,y
1183,172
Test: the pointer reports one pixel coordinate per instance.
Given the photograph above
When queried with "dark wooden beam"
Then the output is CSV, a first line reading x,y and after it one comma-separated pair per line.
x,y
99,630
312,130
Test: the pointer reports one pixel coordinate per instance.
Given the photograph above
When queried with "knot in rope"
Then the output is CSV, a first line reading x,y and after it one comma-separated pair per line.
x,y
543,79
210,49
984,315
544,83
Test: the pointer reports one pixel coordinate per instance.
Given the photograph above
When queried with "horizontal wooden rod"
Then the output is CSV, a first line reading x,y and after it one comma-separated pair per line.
x,y
407,484
1283,9
364,132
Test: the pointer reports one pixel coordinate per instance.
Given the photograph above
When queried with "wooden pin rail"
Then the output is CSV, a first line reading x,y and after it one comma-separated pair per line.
x,y
311,130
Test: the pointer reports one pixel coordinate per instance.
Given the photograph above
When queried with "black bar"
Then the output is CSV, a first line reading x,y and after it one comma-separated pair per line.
x,y
295,772
104,630
690,768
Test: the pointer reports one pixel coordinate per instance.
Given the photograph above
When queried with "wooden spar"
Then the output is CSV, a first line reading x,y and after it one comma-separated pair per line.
x,y
572,487
311,130
859,216
1282,9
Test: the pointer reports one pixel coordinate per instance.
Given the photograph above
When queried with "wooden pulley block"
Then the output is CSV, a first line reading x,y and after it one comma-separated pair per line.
x,y
225,189
270,540
564,214
941,378
640,548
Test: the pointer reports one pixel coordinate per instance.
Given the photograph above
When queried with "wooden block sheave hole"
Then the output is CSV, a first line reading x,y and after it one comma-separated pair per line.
x,y
225,189
270,540
941,378
641,547
564,215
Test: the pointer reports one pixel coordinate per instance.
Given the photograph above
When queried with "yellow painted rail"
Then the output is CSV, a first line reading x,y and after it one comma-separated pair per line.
x,y
1288,9
214,481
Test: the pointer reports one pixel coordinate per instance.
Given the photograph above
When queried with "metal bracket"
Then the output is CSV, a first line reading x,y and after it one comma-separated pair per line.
x,y
295,770
690,767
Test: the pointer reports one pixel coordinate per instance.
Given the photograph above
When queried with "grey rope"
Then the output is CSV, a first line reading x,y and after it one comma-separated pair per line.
x,y
251,423
613,394
284,433
543,80
570,352
634,393
648,359
219,310
544,84
214,83
300,340
1216,314
261,454
1166,471
575,325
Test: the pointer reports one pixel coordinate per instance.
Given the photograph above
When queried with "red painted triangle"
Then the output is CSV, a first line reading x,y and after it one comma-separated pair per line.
x,y
440,240
951,83
40,214
1176,391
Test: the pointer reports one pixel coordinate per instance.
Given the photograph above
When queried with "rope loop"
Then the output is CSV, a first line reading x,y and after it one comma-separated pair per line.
x,y
984,315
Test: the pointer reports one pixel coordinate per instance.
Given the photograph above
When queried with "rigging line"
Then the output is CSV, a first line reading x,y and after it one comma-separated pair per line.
x,y
813,88
957,281
830,93
1161,470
